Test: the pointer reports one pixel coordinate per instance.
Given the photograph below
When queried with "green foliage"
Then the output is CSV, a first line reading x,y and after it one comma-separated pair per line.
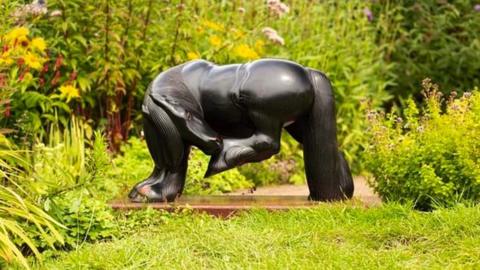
x,y
135,164
435,39
228,181
70,161
132,165
333,236
69,180
111,50
430,157
25,102
130,222
18,213
87,218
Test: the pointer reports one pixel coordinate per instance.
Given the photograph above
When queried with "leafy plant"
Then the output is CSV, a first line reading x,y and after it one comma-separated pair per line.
x,y
24,64
18,213
86,218
69,179
430,156
435,39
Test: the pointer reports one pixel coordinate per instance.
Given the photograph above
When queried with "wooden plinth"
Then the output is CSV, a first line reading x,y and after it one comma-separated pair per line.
x,y
222,206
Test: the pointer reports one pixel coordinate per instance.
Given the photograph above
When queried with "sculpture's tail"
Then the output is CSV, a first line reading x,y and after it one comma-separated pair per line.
x,y
328,174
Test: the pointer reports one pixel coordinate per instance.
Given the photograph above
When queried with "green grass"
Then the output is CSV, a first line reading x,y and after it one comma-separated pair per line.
x,y
335,236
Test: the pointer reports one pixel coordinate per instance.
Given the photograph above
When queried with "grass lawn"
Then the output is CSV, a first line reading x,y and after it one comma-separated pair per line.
x,y
337,236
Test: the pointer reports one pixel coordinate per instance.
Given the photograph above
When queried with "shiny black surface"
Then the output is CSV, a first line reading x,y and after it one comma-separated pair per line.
x,y
236,113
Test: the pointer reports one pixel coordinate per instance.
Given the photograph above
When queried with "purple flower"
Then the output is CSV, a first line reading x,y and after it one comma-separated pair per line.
x,y
477,7
368,13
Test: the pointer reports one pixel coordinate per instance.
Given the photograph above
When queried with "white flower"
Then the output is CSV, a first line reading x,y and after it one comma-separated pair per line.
x,y
56,13
36,8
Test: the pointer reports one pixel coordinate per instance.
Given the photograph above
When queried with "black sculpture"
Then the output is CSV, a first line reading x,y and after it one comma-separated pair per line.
x,y
236,113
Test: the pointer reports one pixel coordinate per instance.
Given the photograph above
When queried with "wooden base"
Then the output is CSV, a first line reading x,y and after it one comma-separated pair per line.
x,y
222,206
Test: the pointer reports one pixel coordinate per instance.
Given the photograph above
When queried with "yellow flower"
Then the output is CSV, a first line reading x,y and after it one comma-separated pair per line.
x,y
192,55
39,44
259,44
33,61
6,59
215,41
17,33
237,33
69,92
244,51
213,25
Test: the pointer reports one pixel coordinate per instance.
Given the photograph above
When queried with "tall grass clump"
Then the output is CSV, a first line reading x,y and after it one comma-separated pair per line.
x,y
19,213
431,155
69,180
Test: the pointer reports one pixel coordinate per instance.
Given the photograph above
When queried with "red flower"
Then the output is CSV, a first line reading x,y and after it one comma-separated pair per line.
x,y
58,62
8,110
56,78
73,76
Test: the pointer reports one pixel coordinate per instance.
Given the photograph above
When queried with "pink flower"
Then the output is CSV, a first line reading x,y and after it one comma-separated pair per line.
x,y
36,8
273,36
277,7
368,13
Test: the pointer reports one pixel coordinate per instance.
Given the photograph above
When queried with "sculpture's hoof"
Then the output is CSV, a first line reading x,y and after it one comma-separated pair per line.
x,y
216,165
135,196
229,158
152,193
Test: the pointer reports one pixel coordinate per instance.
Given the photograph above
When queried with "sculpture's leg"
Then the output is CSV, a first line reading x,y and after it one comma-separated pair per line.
x,y
170,156
343,170
264,143
192,127
328,175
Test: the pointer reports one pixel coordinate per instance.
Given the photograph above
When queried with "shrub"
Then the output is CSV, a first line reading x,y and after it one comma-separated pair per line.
x,y
24,66
68,178
86,218
135,164
430,156
435,39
